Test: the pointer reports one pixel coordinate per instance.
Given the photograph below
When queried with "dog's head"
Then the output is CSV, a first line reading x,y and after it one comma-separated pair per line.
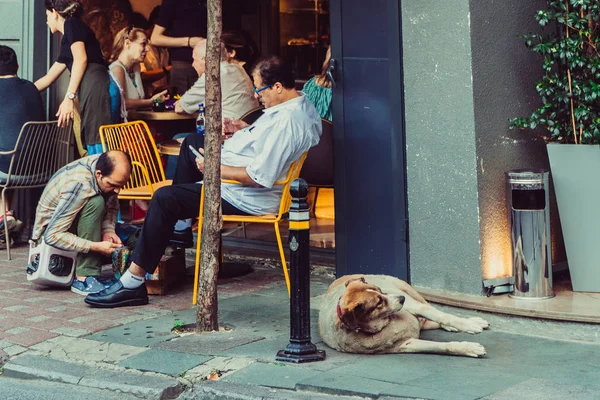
x,y
364,307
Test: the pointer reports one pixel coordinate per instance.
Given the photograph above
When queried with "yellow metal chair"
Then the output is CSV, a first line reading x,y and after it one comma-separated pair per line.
x,y
147,174
284,206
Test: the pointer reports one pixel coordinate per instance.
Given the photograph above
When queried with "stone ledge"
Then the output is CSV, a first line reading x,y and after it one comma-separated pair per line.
x,y
141,385
238,391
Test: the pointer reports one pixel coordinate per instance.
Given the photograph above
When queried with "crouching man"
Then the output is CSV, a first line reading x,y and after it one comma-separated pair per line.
x,y
78,212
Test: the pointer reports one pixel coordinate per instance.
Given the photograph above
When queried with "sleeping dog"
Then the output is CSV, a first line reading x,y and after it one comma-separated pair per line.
x,y
382,314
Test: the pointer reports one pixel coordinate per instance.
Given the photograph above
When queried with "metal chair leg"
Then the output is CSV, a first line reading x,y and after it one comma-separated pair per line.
x,y
198,247
6,234
282,254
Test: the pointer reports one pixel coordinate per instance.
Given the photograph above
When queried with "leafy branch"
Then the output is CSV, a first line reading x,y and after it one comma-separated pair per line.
x,y
569,89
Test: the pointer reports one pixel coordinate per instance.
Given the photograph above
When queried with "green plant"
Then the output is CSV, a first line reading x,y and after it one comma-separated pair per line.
x,y
570,87
178,325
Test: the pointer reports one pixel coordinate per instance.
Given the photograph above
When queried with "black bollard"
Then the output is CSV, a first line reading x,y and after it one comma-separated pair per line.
x,y
300,349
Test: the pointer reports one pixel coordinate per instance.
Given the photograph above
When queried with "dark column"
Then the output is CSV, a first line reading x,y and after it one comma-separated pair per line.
x,y
300,349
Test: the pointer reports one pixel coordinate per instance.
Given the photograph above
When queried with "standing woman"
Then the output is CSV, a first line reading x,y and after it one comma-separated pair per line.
x,y
80,53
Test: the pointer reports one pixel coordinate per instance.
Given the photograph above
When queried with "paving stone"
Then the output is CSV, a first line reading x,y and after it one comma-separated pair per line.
x,y
86,351
71,332
147,332
145,386
266,350
332,383
278,376
4,344
540,389
81,320
14,350
36,367
36,300
15,308
225,365
392,368
243,304
39,318
235,391
43,322
57,309
16,331
164,362
207,343
30,338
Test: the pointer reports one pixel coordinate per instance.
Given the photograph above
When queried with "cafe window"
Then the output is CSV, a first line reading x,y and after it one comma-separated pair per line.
x,y
304,35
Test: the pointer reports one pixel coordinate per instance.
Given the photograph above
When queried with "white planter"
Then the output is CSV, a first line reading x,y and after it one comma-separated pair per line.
x,y
575,173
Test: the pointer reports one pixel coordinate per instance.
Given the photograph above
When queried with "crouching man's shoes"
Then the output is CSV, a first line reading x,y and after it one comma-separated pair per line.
x,y
118,296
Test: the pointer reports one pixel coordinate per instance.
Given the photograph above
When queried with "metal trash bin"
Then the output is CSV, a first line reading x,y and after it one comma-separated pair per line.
x,y
530,234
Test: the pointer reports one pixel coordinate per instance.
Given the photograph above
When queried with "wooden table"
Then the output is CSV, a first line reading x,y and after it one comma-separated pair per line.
x,y
170,147
148,115
164,125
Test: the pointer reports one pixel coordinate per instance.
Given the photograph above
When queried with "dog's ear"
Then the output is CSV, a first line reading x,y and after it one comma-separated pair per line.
x,y
362,279
351,317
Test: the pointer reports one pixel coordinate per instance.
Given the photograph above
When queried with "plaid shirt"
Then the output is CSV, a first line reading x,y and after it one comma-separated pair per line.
x,y
63,198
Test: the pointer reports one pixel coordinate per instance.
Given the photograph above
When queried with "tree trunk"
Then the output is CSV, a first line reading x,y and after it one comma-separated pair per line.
x,y
207,308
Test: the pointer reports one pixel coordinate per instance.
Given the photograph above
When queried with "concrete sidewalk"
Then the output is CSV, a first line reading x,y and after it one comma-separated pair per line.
x,y
526,359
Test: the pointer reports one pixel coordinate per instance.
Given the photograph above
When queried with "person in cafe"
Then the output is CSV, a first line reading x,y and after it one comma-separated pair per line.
x,y
81,54
25,105
180,26
237,99
129,50
319,89
257,155
236,86
155,68
78,212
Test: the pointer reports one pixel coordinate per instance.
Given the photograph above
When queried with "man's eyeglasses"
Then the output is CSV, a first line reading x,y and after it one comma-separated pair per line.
x,y
257,91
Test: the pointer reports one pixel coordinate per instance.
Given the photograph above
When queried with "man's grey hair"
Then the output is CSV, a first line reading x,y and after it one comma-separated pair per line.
x,y
200,48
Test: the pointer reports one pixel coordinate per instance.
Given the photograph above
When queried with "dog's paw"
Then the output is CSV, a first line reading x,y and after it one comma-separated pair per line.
x,y
448,328
469,349
482,322
467,325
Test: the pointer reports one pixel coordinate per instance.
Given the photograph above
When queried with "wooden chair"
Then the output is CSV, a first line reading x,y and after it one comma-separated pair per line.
x,y
284,206
318,169
251,116
42,148
147,174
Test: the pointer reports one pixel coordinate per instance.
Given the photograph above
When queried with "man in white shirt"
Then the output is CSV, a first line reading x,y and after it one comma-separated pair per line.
x,y
236,87
257,155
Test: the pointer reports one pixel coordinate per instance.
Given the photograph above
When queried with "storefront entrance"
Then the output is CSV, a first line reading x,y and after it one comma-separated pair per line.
x,y
370,186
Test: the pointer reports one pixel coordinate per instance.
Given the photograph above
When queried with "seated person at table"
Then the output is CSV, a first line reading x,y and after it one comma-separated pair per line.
x,y
319,89
256,155
236,87
129,50
23,103
78,212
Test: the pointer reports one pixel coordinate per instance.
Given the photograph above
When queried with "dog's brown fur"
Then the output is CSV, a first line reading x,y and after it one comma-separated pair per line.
x,y
383,314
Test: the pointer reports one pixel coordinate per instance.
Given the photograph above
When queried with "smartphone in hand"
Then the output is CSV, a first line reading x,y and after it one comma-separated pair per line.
x,y
196,152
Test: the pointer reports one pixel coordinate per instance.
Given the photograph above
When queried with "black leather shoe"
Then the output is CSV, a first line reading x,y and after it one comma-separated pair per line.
x,y
118,296
184,238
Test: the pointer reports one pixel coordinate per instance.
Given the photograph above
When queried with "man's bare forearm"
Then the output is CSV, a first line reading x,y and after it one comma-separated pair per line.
x,y
238,174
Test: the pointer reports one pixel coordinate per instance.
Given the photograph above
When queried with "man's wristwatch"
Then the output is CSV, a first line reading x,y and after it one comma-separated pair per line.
x,y
71,95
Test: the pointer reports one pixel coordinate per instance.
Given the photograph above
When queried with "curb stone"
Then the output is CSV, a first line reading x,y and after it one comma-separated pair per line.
x,y
149,386
210,390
